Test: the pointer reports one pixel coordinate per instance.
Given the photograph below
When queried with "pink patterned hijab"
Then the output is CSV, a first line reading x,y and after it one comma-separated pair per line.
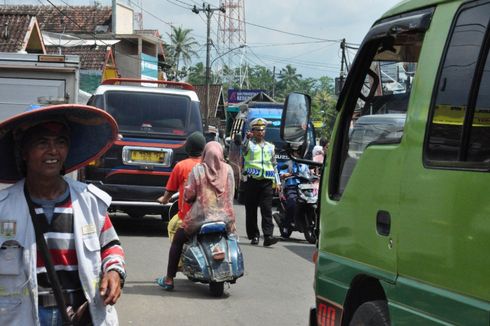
x,y
215,166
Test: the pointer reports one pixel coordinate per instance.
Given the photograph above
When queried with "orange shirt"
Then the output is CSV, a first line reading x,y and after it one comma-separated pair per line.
x,y
178,179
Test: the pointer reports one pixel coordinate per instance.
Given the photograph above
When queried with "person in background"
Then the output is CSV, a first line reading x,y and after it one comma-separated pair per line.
x,y
210,189
318,154
194,146
290,185
262,179
37,148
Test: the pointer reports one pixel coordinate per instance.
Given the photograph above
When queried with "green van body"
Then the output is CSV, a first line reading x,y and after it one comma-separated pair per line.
x,y
433,268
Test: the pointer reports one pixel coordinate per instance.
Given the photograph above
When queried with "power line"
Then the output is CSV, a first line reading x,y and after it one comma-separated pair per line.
x,y
176,4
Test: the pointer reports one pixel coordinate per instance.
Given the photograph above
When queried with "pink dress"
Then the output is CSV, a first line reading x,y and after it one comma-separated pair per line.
x,y
206,205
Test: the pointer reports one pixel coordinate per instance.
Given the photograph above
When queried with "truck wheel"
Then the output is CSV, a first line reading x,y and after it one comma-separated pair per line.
x,y
217,289
371,313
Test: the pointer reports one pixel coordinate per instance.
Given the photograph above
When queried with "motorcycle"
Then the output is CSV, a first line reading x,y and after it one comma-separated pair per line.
x,y
305,206
211,256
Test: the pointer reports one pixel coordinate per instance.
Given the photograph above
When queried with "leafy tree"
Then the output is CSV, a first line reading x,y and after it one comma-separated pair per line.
x,y
197,74
323,109
289,80
261,78
181,47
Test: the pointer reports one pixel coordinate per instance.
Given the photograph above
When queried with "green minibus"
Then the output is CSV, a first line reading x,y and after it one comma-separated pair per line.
x,y
404,220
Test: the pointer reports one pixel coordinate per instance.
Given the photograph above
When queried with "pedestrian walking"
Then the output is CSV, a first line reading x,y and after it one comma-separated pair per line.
x,y
262,179
60,253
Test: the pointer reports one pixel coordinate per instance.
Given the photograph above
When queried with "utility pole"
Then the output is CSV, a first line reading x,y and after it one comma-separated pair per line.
x,y
209,13
344,60
274,82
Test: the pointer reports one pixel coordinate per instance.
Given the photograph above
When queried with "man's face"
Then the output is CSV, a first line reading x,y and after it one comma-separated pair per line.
x,y
258,134
45,153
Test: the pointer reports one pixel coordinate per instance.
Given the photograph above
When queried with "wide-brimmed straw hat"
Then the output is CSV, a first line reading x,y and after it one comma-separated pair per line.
x,y
92,132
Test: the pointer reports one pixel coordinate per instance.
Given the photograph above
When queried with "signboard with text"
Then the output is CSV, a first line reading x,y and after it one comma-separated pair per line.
x,y
240,95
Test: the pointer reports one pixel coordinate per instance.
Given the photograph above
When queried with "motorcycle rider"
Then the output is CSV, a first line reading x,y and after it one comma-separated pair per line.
x,y
209,189
290,187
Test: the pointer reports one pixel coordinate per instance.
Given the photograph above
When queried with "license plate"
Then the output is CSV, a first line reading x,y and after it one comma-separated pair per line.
x,y
147,157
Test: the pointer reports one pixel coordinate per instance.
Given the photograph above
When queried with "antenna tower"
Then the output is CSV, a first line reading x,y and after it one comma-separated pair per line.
x,y
232,35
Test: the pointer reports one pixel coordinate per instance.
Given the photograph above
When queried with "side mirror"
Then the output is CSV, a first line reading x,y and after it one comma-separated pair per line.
x,y
294,121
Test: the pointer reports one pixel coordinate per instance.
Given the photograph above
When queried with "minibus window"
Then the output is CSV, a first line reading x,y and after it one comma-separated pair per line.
x,y
479,147
383,95
459,131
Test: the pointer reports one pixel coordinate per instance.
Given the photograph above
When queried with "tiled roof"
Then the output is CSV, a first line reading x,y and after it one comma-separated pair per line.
x,y
71,19
216,100
90,58
13,30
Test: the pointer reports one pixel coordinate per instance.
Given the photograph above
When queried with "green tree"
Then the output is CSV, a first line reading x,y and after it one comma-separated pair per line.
x,y
324,109
289,81
197,74
261,78
181,47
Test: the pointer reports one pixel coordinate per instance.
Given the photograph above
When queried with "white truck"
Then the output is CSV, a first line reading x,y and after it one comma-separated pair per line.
x,y
36,79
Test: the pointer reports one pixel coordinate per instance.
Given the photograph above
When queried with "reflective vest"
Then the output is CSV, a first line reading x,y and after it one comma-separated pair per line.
x,y
258,161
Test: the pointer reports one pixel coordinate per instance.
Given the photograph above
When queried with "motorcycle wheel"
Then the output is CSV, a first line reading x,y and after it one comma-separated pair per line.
x,y
285,232
309,229
310,235
217,289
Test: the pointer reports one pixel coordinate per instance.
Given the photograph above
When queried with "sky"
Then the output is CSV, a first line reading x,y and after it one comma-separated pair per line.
x,y
303,33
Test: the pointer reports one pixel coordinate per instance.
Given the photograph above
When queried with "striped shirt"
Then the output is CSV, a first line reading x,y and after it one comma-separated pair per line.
x,y
61,244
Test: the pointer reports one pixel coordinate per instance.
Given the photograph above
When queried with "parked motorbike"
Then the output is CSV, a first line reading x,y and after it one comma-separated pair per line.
x,y
305,208
211,256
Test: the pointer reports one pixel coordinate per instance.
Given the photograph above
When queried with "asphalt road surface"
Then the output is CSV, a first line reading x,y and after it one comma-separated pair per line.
x,y
277,288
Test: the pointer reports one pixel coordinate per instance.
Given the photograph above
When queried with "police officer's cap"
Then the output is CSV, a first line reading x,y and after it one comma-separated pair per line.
x,y
258,124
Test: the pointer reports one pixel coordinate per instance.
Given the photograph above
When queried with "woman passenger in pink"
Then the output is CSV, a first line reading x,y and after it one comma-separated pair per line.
x,y
210,189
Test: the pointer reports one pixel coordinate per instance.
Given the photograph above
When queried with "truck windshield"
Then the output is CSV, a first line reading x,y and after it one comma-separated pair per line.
x,y
143,113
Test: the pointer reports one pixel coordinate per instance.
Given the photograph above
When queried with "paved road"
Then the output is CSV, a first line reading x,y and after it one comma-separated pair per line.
x,y
275,290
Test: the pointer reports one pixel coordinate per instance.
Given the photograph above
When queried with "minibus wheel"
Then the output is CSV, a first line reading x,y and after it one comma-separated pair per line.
x,y
371,313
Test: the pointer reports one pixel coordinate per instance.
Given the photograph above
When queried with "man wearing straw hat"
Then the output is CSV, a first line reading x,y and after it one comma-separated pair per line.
x,y
37,148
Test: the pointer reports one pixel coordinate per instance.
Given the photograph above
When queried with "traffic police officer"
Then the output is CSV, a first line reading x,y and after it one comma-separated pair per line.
x,y
261,176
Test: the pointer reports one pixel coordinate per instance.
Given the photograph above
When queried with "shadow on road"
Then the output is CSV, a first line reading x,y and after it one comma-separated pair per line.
x,y
183,289
150,226
305,251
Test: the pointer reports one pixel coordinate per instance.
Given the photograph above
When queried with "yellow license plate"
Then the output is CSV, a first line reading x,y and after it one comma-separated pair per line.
x,y
147,157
